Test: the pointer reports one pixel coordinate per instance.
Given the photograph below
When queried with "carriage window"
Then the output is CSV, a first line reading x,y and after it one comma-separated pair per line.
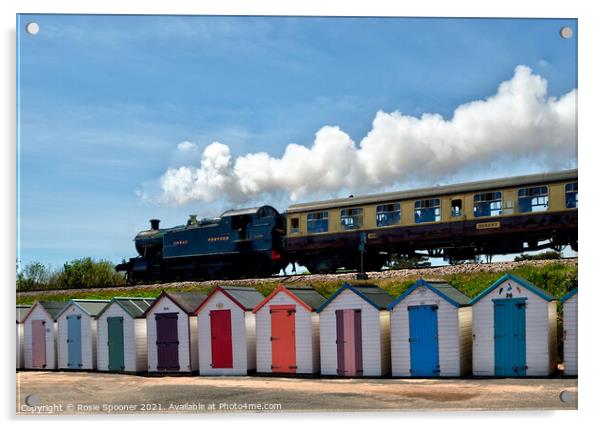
x,y
352,218
533,199
571,199
295,225
488,204
427,210
388,214
317,222
456,208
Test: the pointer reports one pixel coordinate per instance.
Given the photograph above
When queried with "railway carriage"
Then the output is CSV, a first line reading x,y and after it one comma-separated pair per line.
x,y
457,222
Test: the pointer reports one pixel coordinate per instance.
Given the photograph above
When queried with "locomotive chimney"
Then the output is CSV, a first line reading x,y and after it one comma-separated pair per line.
x,y
154,224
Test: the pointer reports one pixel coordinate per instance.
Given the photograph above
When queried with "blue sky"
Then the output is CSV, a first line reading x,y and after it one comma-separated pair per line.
x,y
105,100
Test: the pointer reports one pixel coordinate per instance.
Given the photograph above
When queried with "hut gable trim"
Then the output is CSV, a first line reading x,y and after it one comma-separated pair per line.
x,y
135,307
372,294
244,297
185,301
92,307
51,308
568,296
282,288
442,289
526,284
22,312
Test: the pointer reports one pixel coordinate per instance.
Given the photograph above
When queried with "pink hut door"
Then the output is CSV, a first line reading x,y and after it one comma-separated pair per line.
x,y
38,343
349,342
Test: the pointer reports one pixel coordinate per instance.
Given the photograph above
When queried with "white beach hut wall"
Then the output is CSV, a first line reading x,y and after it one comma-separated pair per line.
x,y
514,330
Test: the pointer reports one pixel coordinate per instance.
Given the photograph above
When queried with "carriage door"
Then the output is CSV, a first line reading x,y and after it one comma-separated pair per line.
x,y
167,342
457,215
284,352
349,342
221,338
38,343
74,341
115,331
510,338
424,341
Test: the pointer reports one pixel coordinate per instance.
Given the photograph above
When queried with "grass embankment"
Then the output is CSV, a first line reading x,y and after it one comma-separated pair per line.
x,y
555,278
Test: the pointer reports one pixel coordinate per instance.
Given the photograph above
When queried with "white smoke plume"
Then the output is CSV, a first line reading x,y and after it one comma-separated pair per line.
x,y
520,122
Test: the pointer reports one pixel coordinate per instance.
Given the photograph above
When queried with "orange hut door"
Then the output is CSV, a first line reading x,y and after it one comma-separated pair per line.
x,y
284,353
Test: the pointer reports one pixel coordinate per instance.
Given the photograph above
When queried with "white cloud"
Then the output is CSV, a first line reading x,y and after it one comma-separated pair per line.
x,y
520,122
187,146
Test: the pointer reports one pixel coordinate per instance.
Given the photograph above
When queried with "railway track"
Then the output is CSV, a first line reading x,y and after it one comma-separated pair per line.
x,y
402,274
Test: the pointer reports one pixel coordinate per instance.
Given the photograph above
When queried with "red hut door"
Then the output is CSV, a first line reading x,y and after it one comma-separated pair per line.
x,y
284,352
221,339
38,343
349,342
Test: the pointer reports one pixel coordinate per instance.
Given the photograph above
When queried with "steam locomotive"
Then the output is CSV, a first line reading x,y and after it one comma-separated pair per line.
x,y
456,222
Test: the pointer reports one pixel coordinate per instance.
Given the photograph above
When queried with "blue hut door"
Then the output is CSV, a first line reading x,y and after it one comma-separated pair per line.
x,y
424,341
74,341
510,337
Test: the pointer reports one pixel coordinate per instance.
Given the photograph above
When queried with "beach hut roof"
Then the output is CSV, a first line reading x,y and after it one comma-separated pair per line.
x,y
372,294
92,307
135,307
53,308
306,296
568,295
187,301
245,297
441,288
22,311
524,283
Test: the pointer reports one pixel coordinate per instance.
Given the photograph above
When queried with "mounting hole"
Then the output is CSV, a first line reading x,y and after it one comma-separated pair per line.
x,y
566,396
566,32
32,400
32,28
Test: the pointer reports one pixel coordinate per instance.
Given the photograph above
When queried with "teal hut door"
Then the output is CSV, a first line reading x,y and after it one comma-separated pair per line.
x,y
74,341
424,341
115,329
510,337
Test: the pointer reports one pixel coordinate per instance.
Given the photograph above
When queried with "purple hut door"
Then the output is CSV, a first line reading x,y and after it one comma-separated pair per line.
x,y
167,342
349,342
340,342
38,343
357,331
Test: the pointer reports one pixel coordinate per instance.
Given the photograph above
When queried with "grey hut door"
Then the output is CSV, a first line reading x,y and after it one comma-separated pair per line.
x,y
74,341
167,342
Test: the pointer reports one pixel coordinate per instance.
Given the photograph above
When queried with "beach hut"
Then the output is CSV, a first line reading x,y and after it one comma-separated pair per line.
x,y
76,341
431,331
171,329
21,312
288,331
226,329
122,335
569,311
39,333
354,332
513,330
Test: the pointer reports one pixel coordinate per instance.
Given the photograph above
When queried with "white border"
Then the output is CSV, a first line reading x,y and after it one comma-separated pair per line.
x,y
589,120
